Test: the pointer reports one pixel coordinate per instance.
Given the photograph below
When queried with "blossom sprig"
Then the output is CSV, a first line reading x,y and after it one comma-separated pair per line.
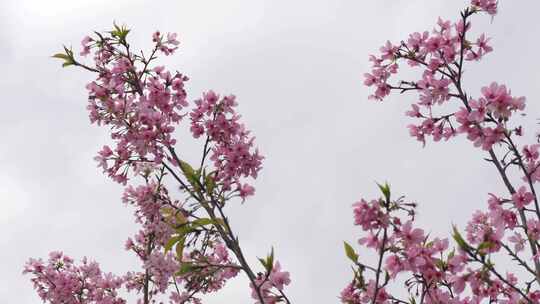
x,y
141,104
434,272
440,55
231,146
271,282
186,246
61,280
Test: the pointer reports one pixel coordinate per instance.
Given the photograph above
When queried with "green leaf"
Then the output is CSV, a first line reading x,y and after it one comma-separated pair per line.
x,y
203,222
271,257
120,32
385,189
67,57
263,262
484,245
186,267
180,248
69,52
185,229
349,251
268,262
191,175
171,242
220,222
440,264
173,216
209,183
61,56
451,254
186,168
459,240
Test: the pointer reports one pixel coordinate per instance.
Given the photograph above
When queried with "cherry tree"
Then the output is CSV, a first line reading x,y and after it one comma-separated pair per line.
x,y
431,270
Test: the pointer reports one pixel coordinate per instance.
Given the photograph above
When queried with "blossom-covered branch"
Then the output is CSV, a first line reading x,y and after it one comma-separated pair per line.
x,y
474,271
186,245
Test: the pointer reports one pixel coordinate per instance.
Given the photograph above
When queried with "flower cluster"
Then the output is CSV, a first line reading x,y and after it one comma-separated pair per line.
x,y
532,163
202,266
494,108
443,275
211,269
60,280
166,45
441,55
271,285
489,6
233,151
141,105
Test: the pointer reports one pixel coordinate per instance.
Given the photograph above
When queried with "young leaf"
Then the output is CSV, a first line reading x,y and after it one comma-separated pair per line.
x,y
190,174
271,258
385,189
203,222
484,245
61,56
170,243
209,183
185,229
349,251
263,262
67,57
459,240
186,268
180,248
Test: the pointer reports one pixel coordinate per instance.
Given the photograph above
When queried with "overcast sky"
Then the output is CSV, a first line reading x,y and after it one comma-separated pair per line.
x,y
296,68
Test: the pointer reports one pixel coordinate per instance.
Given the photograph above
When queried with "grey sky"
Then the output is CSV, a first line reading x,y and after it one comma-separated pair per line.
x,y
296,68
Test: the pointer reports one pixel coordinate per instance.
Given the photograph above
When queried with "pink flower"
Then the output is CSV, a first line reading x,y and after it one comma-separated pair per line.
x,y
522,197
518,240
533,227
246,190
489,6
388,50
370,241
531,152
369,215
411,236
85,45
482,43
279,278
415,112
393,265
